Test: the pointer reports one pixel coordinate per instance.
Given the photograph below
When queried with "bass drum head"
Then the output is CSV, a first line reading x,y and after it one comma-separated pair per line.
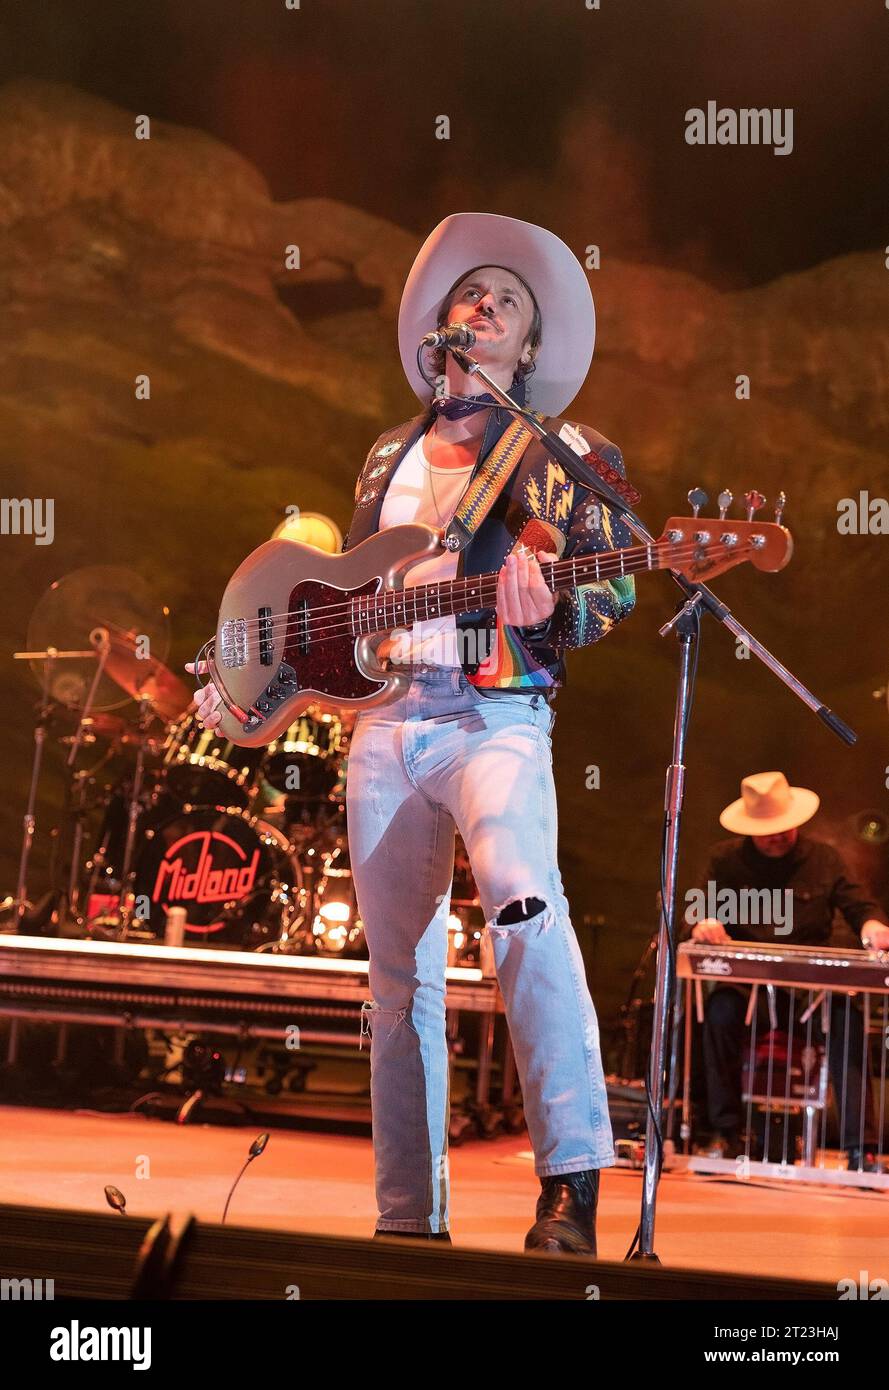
x,y
236,876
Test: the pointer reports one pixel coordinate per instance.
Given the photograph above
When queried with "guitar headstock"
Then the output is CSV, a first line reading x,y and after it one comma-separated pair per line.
x,y
701,547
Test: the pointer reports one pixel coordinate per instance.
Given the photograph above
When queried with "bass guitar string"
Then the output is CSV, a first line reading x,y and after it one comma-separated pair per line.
x,y
285,624
483,586
586,569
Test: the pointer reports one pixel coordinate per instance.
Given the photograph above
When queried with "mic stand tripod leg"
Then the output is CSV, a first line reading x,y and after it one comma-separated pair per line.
x,y
686,624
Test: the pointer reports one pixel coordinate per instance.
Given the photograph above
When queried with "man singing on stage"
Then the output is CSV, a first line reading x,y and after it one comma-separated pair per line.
x,y
468,744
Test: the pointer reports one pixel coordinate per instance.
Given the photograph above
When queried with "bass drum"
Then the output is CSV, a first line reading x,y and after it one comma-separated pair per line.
x,y
236,876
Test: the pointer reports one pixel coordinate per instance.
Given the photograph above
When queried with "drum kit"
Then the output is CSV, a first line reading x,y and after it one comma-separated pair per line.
x,y
160,814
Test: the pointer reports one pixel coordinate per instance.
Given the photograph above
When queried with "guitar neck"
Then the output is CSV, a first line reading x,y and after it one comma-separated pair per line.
x,y
391,608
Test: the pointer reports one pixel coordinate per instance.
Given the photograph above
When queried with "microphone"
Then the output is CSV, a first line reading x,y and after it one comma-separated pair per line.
x,y
256,1149
116,1200
455,335
258,1145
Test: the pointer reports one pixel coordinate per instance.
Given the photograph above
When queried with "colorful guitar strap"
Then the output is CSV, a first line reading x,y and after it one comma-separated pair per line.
x,y
487,485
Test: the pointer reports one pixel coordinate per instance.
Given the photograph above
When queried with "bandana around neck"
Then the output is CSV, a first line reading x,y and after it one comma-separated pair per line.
x,y
458,407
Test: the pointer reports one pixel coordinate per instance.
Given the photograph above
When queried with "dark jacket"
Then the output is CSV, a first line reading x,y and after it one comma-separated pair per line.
x,y
813,872
527,658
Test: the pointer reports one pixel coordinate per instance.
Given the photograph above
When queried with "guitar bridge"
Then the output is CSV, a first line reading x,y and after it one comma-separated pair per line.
x,y
233,643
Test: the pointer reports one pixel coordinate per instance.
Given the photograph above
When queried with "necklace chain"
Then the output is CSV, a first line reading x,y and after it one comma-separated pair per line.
x,y
430,470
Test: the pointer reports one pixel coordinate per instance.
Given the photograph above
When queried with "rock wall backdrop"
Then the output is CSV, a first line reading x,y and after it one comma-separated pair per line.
x,y
165,257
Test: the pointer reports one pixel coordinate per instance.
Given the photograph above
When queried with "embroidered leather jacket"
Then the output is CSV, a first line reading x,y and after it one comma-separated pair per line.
x,y
495,654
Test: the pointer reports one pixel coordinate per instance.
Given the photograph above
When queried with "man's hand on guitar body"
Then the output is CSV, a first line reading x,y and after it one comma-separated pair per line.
x,y
207,700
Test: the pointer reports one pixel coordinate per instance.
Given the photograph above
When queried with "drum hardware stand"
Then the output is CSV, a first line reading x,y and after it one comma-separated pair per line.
x,y
81,780
698,598
124,906
96,866
78,811
19,905
99,639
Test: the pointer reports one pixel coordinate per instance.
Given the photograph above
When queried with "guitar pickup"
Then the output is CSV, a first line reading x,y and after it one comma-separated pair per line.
x,y
266,643
299,627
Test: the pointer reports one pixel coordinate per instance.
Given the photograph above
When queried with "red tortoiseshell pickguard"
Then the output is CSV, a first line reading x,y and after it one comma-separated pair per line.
x,y
329,663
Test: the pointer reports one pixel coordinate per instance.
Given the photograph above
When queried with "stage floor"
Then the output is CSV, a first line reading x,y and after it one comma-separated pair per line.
x,y
323,1183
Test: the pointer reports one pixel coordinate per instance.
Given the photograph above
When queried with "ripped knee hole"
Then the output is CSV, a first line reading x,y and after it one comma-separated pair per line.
x,y
519,910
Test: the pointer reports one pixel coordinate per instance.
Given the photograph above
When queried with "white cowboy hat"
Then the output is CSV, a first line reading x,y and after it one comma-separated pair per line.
x,y
551,270
767,805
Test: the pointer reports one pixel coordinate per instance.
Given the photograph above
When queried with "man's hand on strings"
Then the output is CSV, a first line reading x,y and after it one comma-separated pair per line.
x,y
523,598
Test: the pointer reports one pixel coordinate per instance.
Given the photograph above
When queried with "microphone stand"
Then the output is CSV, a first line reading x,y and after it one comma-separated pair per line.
x,y
698,598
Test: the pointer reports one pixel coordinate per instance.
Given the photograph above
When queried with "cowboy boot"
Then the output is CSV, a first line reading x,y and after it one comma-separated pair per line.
x,y
566,1214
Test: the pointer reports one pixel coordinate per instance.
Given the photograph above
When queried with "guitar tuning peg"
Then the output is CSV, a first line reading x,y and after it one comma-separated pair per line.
x,y
780,504
754,501
697,498
725,500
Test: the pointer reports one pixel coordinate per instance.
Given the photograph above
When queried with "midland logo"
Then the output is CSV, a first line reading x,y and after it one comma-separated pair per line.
x,y
210,880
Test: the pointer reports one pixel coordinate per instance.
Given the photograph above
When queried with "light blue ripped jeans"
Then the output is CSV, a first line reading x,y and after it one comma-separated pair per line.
x,y
443,755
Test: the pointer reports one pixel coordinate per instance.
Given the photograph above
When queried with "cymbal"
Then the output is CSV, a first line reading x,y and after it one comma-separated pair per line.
x,y
144,677
69,612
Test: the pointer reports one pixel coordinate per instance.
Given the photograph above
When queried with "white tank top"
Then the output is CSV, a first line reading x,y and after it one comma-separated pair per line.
x,y
418,491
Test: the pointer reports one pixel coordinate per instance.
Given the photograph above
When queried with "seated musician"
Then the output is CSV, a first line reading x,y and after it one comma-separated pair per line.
x,y
807,882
